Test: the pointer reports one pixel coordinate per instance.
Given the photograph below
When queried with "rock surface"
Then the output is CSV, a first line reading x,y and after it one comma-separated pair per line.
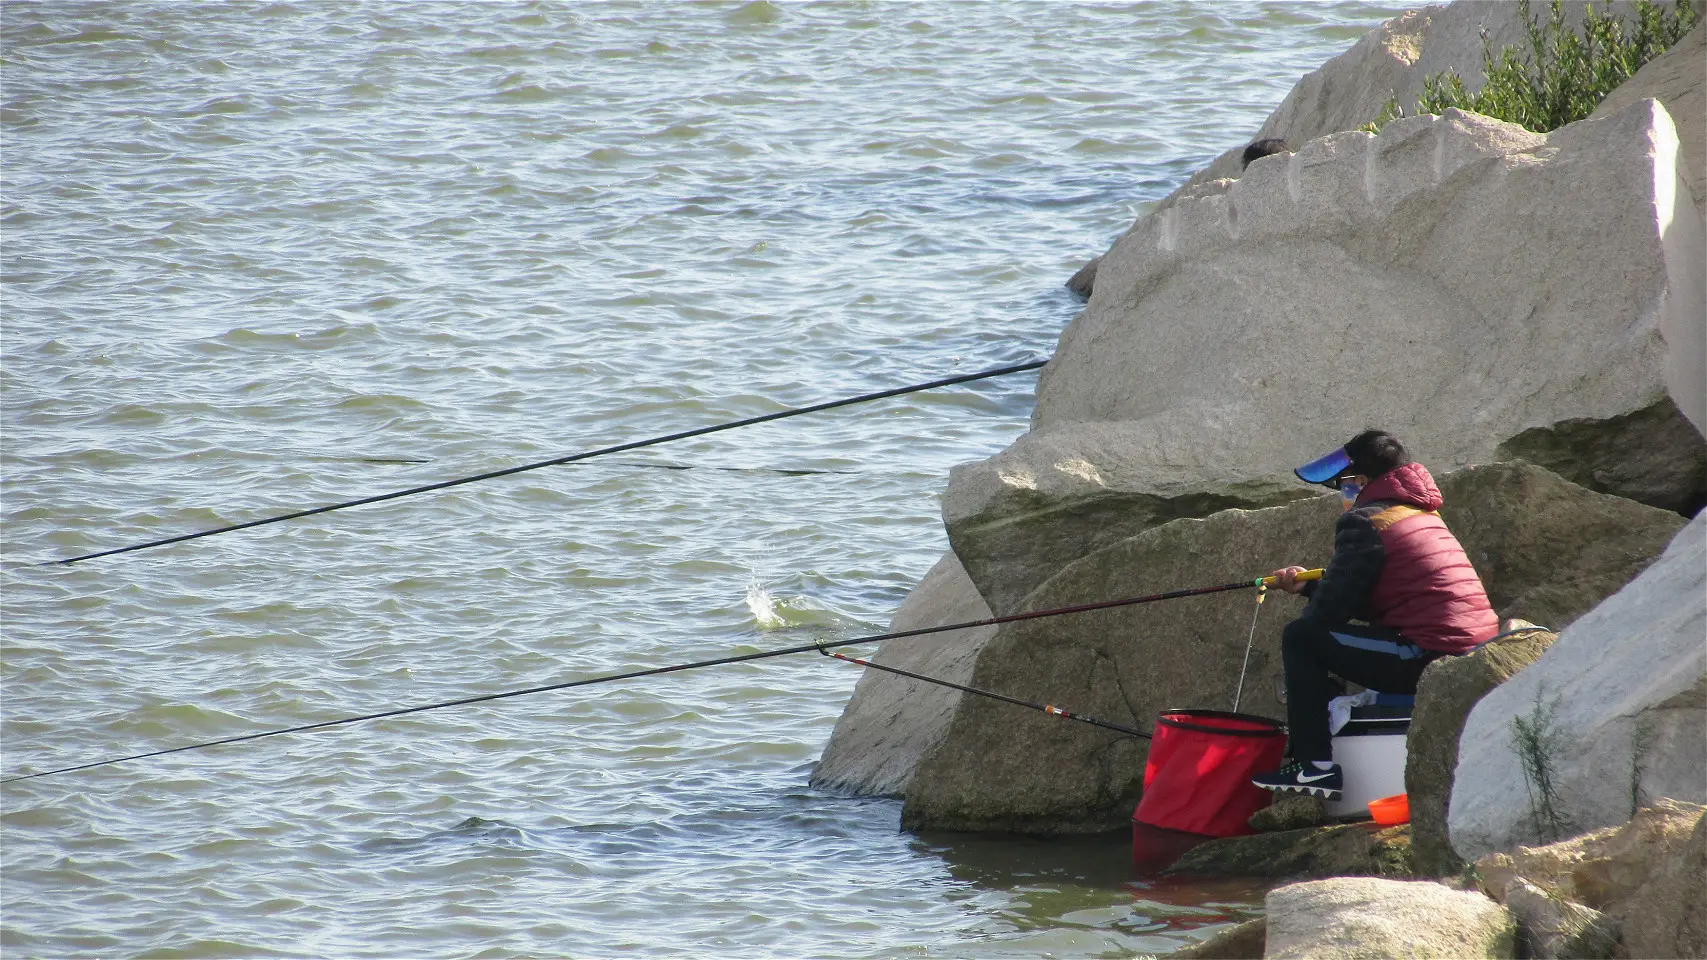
x,y
1550,928
1675,78
1002,768
1467,307
1372,918
1395,58
1600,868
1340,850
1645,876
1635,455
1625,690
1448,689
891,721
1667,915
1084,280
1243,941
1390,61
997,767
1547,549
1290,811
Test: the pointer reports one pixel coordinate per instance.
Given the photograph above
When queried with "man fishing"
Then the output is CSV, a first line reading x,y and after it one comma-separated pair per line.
x,y
1395,567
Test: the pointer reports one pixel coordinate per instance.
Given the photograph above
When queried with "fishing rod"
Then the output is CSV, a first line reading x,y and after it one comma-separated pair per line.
x,y
1050,709
570,458
784,471
674,668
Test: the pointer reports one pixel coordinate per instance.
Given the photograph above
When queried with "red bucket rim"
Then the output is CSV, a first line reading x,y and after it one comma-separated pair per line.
x,y
1267,727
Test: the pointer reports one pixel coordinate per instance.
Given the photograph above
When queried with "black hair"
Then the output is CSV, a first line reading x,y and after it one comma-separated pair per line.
x,y
1258,149
1374,452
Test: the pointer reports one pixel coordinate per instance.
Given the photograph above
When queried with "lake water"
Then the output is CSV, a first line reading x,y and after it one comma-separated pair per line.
x,y
266,256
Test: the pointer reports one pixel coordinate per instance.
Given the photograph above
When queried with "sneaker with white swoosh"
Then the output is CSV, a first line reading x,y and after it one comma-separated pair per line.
x,y
1300,777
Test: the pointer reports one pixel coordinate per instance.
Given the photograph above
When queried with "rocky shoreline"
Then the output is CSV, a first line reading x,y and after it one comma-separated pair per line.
x,y
1636,890
1527,311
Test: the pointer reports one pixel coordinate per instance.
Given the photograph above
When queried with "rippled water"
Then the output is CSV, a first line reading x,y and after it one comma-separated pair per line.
x,y
265,256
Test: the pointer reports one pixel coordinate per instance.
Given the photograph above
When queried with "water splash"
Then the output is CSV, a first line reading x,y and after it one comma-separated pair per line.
x,y
774,612
764,607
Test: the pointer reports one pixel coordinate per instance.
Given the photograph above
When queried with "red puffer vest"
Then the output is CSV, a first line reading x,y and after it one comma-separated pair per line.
x,y
1428,591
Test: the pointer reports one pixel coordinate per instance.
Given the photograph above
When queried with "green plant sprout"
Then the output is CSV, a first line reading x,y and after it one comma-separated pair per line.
x,y
1538,742
1641,738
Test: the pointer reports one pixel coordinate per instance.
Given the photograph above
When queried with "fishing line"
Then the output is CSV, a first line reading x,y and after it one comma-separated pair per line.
x,y
656,671
1262,594
1050,709
571,458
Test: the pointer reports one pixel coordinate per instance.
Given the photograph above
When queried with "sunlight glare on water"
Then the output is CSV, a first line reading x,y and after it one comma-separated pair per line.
x,y
260,257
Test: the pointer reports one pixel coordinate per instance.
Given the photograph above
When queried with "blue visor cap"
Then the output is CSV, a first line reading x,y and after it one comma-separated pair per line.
x,y
1325,468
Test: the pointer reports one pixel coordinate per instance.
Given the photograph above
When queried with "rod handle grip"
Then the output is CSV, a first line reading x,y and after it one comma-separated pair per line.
x,y
1315,574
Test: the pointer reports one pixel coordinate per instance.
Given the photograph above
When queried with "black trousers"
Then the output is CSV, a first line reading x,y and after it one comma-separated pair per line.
x,y
1369,656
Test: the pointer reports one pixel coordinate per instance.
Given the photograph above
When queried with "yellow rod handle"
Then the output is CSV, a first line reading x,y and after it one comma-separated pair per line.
x,y
1315,574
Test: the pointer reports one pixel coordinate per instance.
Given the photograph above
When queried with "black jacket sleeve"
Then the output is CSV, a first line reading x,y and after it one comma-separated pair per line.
x,y
1343,592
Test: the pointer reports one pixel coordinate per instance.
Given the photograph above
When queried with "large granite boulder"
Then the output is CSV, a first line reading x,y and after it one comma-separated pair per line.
x,y
1436,280
1620,703
998,767
1448,689
891,720
1372,918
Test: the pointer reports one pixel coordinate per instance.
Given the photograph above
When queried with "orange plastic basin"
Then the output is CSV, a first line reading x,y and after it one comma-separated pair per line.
x,y
1391,811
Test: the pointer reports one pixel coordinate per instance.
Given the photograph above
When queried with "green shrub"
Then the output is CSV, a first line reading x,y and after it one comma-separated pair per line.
x,y
1562,75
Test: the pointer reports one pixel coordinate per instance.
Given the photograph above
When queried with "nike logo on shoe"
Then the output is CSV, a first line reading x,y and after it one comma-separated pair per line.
x,y
1304,777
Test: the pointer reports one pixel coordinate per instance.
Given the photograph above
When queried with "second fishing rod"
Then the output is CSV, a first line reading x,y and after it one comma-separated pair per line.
x,y
1259,583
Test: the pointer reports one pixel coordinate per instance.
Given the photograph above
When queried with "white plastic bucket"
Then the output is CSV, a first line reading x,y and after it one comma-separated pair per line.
x,y
1372,758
